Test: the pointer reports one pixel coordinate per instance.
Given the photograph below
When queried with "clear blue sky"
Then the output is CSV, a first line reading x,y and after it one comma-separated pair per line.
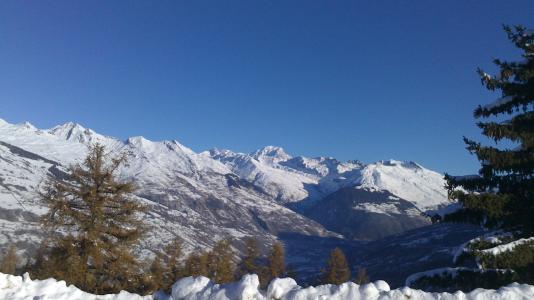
x,y
363,80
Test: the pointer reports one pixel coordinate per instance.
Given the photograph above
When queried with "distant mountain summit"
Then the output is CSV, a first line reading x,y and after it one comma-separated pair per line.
x,y
291,179
207,196
270,154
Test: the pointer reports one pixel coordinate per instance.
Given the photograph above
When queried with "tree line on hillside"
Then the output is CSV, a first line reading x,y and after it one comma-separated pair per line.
x,y
93,222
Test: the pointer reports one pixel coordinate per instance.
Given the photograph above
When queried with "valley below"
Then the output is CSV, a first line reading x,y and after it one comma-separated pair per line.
x,y
378,213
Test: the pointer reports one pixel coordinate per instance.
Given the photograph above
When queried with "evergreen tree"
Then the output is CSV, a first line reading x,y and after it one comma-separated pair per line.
x,y
221,262
196,265
254,263
8,265
361,276
249,263
173,268
276,261
337,270
503,193
93,223
501,196
156,279
37,268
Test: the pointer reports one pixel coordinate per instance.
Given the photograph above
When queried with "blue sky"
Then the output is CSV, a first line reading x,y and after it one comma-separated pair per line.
x,y
363,80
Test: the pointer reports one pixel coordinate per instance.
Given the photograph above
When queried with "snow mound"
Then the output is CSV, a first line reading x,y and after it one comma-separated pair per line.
x,y
201,288
493,238
22,287
507,247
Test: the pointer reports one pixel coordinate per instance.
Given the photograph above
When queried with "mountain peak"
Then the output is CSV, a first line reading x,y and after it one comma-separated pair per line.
x,y
177,146
27,125
405,164
272,154
138,141
217,152
69,126
71,131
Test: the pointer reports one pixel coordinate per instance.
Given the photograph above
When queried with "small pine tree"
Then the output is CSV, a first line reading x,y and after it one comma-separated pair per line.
x,y
196,265
361,276
220,262
8,265
38,267
156,278
337,270
253,263
173,267
249,264
276,261
93,223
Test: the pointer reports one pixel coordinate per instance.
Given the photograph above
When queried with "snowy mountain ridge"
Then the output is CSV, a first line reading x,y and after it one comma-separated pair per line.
x,y
189,194
271,166
203,197
293,179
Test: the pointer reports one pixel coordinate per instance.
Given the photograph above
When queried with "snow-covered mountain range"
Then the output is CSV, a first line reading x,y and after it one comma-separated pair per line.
x,y
296,179
203,197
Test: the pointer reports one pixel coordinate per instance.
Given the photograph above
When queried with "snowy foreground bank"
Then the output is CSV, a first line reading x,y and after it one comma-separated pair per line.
x,y
201,288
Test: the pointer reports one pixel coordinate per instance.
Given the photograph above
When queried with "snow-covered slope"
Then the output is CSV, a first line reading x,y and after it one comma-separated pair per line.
x,y
203,197
190,195
407,180
359,213
302,179
283,184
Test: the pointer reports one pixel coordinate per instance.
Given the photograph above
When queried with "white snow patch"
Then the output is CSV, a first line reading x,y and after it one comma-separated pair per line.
x,y
507,247
201,288
23,288
464,248
379,208
494,237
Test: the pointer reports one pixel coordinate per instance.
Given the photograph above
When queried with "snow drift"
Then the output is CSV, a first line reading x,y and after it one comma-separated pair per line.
x,y
201,288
